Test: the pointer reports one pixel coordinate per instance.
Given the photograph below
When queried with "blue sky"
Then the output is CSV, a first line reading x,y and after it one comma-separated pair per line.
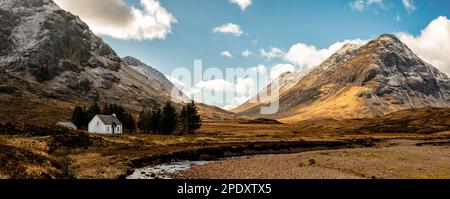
x,y
273,23
294,34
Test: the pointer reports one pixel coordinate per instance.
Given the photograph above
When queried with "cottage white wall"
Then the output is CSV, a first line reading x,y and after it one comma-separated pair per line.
x,y
97,126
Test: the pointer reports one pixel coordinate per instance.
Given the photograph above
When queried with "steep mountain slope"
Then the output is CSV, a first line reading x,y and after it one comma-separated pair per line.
x,y
286,81
377,78
152,74
53,53
160,81
50,61
157,78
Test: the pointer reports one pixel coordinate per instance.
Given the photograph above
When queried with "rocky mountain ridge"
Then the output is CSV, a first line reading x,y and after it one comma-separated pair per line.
x,y
376,78
156,77
53,53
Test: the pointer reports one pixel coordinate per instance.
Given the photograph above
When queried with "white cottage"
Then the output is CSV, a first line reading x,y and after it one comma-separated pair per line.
x,y
105,124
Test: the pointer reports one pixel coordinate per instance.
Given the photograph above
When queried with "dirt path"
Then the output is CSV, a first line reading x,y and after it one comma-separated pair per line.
x,y
403,159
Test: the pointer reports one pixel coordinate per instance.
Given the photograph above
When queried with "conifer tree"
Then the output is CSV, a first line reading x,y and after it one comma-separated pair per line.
x,y
183,123
92,112
143,122
195,121
79,117
155,121
190,120
169,118
106,110
128,123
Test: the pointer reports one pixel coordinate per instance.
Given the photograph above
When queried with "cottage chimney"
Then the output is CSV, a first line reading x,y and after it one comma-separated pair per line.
x,y
114,115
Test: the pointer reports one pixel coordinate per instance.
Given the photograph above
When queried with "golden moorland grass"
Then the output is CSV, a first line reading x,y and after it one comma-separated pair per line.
x,y
83,155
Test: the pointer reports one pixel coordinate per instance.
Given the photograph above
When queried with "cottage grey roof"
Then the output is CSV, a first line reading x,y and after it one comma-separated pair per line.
x,y
67,125
109,119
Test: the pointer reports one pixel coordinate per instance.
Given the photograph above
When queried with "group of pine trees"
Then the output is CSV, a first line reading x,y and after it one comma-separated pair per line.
x,y
190,120
167,121
82,116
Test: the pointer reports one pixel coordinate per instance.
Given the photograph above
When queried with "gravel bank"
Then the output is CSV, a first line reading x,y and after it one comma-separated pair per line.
x,y
401,160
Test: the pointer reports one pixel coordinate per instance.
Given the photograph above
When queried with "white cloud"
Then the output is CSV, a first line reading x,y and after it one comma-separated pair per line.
x,y
305,55
218,85
272,53
279,69
409,5
308,56
247,53
432,45
357,5
175,81
117,19
235,92
398,18
229,28
226,54
361,5
258,69
245,86
187,90
242,3
375,2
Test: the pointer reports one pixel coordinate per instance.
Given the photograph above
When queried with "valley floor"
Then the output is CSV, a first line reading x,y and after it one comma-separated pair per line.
x,y
396,159
386,147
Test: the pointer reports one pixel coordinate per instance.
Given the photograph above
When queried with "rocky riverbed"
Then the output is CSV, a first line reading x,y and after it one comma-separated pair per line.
x,y
400,159
170,170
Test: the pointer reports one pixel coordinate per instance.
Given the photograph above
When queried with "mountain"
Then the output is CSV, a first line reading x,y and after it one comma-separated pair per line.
x,y
374,79
154,76
50,61
53,53
286,81
159,80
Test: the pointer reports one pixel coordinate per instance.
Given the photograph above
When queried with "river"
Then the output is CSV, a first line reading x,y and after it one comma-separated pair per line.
x,y
165,171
